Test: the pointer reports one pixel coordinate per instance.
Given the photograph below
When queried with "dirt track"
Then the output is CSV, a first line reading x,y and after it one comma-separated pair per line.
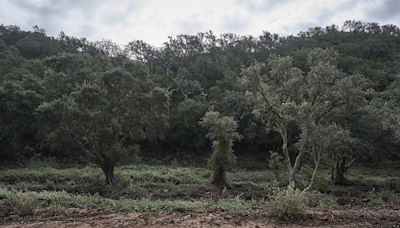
x,y
366,217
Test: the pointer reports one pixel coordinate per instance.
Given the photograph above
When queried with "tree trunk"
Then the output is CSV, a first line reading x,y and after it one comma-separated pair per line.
x,y
297,163
108,170
285,151
340,179
219,179
296,167
317,161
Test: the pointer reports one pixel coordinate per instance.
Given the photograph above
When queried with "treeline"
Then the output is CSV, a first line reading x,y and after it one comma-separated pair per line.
x,y
327,92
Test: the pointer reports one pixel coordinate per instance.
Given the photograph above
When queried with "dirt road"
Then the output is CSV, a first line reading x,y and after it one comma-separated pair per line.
x,y
365,217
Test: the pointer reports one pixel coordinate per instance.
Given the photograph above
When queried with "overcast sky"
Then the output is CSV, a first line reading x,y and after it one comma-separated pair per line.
x,y
154,20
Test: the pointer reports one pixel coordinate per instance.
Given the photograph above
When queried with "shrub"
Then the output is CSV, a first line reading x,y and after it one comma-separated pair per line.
x,y
22,203
287,204
383,197
320,200
36,163
374,199
276,163
124,180
321,182
236,205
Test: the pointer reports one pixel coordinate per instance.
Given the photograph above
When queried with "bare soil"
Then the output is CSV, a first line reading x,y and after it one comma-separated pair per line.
x,y
361,217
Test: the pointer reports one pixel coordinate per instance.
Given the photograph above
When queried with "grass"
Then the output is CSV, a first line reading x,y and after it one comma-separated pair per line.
x,y
161,188
50,200
139,181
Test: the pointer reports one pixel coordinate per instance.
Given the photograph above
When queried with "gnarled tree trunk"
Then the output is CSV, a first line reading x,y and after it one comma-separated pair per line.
x,y
219,178
108,170
340,172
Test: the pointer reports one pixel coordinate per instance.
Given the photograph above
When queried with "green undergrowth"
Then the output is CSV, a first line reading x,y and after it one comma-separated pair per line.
x,y
147,188
136,181
50,200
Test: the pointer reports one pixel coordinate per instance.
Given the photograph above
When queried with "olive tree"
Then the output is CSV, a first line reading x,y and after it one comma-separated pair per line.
x,y
222,131
324,139
272,89
283,94
106,116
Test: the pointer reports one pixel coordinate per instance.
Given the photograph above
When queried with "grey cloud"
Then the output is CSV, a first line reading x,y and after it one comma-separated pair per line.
x,y
386,10
323,17
54,14
325,14
120,17
265,5
190,26
56,8
57,15
234,24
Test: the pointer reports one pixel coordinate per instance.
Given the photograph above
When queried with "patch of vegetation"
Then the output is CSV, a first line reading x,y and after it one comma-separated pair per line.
x,y
23,203
287,204
321,180
383,197
321,200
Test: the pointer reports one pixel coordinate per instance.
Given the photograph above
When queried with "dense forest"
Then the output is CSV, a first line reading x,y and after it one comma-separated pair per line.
x,y
329,94
202,124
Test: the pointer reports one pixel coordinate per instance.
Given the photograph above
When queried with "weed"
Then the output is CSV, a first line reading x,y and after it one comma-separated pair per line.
x,y
22,203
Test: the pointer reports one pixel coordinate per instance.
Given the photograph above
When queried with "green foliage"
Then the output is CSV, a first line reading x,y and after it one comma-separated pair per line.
x,y
327,93
236,205
22,203
102,114
35,163
321,180
154,97
44,174
222,132
287,204
383,197
321,200
51,200
276,163
283,94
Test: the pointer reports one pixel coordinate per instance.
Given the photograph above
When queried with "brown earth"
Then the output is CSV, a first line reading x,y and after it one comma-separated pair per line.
x,y
362,217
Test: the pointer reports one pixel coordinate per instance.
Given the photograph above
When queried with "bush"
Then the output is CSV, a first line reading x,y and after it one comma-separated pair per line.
x,y
124,180
236,205
320,200
276,163
22,203
382,197
321,182
287,204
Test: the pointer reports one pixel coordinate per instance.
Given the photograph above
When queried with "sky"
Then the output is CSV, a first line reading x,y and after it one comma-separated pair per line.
x,y
154,20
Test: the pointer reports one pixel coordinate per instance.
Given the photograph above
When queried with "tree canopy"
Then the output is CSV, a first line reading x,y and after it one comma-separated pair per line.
x,y
75,99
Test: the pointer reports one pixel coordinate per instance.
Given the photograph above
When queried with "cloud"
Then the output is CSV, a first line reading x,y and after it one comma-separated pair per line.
x,y
385,10
190,26
235,25
154,20
261,5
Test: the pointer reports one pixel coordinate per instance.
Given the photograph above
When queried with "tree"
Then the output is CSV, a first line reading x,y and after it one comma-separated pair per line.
x,y
387,106
273,95
323,140
222,132
284,95
105,117
18,100
325,92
